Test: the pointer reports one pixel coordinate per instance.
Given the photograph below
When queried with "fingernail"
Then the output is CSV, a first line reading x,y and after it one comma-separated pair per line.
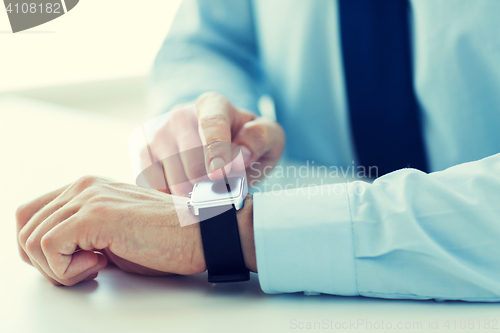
x,y
246,153
217,163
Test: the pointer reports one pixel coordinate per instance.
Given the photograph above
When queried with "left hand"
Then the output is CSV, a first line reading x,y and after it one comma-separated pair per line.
x,y
71,233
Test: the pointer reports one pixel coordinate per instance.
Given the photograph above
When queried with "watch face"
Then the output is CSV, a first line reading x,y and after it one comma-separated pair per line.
x,y
217,190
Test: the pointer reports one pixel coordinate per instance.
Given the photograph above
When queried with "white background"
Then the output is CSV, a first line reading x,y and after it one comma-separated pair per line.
x,y
96,40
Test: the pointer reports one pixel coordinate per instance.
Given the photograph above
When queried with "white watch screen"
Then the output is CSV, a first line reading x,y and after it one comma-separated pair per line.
x,y
217,190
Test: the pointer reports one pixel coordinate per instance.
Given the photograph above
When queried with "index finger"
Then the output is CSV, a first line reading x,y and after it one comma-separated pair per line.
x,y
215,117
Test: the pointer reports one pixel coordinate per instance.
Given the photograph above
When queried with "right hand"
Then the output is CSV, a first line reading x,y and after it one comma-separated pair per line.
x,y
213,124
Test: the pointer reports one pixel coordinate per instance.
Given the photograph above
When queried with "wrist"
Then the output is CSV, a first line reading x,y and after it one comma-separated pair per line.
x,y
245,227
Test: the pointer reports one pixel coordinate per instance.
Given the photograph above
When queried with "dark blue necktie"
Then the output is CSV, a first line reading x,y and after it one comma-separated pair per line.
x,y
384,115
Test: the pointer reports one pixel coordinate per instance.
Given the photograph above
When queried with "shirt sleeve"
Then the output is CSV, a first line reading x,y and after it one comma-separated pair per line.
x,y
210,47
407,235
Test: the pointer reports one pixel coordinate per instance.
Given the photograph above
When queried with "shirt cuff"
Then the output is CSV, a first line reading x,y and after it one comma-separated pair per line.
x,y
304,240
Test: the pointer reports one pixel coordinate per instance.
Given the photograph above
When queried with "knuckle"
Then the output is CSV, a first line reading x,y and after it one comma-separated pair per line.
x,y
196,170
214,142
31,246
86,181
213,120
23,237
176,115
46,242
258,132
99,208
21,216
158,137
96,202
93,193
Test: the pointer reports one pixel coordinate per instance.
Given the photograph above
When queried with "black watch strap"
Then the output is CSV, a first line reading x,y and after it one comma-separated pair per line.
x,y
222,246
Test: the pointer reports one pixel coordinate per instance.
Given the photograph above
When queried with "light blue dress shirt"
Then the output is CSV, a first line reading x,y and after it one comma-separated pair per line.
x,y
407,235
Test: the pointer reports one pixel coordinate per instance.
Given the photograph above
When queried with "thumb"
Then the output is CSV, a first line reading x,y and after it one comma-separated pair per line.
x,y
259,139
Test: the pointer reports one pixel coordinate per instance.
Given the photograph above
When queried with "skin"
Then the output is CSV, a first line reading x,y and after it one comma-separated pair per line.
x,y
73,232
213,124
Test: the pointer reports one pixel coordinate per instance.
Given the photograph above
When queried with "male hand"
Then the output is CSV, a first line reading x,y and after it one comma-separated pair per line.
x,y
71,233
213,124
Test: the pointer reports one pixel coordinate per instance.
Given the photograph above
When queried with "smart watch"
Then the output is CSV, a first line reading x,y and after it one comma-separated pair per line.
x,y
216,203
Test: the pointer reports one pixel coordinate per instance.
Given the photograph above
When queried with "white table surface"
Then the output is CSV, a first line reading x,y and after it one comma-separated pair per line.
x,y
43,146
